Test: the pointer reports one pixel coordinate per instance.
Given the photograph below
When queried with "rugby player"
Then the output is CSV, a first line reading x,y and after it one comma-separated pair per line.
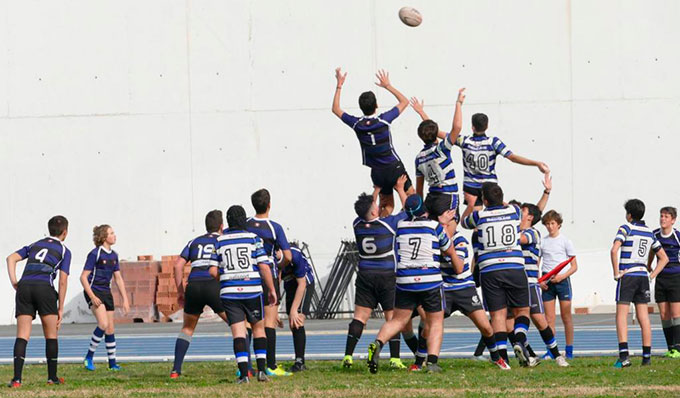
x,y
667,285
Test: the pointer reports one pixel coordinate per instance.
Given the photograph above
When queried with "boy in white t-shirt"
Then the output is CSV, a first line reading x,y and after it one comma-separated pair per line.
x,y
557,248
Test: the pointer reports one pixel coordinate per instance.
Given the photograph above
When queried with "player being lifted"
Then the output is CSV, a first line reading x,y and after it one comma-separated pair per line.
x,y
375,281
203,287
632,273
35,293
101,266
667,285
244,268
375,138
420,244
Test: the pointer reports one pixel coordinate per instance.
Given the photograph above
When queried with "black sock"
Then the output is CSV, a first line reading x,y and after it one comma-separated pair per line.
x,y
623,351
668,332
249,342
481,345
380,343
356,328
411,341
19,357
240,350
421,354
181,347
52,353
550,342
521,329
261,353
502,344
511,338
299,342
395,346
646,353
531,350
432,358
676,333
490,344
270,347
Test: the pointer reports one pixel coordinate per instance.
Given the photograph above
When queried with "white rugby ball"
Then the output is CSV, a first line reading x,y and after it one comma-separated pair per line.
x,y
410,16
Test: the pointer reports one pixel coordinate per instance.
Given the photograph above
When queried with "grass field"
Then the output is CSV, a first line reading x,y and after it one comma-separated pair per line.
x,y
586,377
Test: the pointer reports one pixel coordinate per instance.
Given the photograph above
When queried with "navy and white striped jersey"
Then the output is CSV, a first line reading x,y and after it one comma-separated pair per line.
x,y
45,258
637,240
102,264
272,236
532,253
239,253
671,245
201,252
435,164
298,268
498,237
453,281
479,158
374,137
375,243
420,242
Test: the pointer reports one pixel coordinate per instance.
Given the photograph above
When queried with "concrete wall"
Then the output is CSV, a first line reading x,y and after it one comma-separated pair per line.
x,y
147,114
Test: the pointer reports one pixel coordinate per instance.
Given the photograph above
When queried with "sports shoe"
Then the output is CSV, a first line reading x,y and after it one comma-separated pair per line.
x,y
433,368
347,362
547,356
479,358
115,368
14,383
562,361
89,364
395,363
622,364
250,373
297,367
373,357
244,380
521,354
533,362
415,368
60,380
174,375
262,376
672,353
502,364
278,371
646,361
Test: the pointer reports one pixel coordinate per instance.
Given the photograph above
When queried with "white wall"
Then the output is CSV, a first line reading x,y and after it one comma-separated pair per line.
x,y
147,114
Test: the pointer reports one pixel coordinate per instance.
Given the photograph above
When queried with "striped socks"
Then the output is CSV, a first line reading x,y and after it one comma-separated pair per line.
x,y
97,337
260,348
110,341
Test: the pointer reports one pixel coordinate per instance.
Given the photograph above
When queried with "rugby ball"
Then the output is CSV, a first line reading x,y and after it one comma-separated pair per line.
x,y
410,16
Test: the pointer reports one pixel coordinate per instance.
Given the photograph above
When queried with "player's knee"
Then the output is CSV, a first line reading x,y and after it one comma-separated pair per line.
x,y
103,325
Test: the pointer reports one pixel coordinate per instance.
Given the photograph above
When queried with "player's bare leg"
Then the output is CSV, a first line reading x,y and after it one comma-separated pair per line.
x,y
386,205
356,329
395,344
24,325
498,319
643,319
470,200
550,313
435,335
567,321
622,334
400,318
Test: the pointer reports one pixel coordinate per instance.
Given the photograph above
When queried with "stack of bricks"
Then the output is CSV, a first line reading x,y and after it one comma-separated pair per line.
x,y
140,282
166,294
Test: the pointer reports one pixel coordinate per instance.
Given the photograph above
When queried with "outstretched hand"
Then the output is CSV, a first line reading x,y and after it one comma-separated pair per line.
x,y
543,167
447,217
383,78
401,181
461,95
417,104
547,182
340,77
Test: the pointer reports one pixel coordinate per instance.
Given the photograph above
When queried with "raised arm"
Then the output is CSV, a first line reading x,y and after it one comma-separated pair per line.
x,y
419,107
515,158
457,117
399,187
340,78
547,188
384,82
420,184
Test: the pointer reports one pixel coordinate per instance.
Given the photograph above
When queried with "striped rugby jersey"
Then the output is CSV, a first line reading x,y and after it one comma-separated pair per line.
x,y
671,245
103,264
479,158
375,243
273,238
45,258
420,242
532,253
374,137
637,240
453,281
201,252
239,253
435,164
498,237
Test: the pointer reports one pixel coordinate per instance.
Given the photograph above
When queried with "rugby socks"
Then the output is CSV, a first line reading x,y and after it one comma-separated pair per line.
x,y
249,341
356,328
432,358
550,342
668,332
241,352
299,342
521,328
623,351
502,345
490,344
181,347
270,347
19,356
110,340
646,355
411,341
421,354
51,352
511,338
261,353
569,351
395,346
529,349
479,351
97,337
676,333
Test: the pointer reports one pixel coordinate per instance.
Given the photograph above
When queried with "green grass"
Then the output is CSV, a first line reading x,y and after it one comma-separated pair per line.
x,y
586,377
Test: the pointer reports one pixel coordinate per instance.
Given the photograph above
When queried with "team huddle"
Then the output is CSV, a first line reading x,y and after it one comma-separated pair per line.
x,y
414,263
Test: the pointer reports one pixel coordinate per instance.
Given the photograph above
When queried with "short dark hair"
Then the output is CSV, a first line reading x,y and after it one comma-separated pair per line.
x,y
368,103
515,202
533,211
57,225
236,217
636,209
480,122
670,210
492,193
363,205
213,221
260,200
428,130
